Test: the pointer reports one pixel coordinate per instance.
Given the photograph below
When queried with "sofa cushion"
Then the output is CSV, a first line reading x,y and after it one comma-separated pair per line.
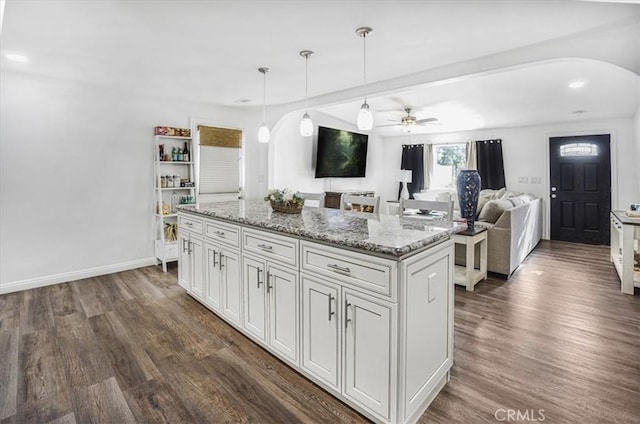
x,y
494,209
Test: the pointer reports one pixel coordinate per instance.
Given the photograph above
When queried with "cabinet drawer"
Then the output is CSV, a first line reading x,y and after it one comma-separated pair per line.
x,y
271,246
377,275
190,223
224,233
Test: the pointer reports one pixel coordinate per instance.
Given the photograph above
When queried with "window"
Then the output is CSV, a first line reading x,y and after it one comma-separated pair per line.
x,y
579,149
219,161
447,160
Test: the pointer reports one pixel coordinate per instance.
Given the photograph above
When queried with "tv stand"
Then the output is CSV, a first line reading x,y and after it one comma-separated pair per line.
x,y
332,198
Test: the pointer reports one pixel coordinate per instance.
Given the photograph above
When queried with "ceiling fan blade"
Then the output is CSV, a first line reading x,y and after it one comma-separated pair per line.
x,y
388,125
426,120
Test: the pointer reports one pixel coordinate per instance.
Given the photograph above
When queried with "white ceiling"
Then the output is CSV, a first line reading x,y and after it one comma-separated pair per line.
x,y
209,51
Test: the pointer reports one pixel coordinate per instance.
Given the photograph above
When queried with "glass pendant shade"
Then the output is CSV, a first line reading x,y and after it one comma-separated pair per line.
x,y
365,118
263,133
306,126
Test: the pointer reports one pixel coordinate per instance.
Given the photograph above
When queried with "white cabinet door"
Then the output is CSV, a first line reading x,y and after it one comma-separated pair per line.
x,y
231,286
212,276
254,297
367,353
184,261
282,291
197,262
231,277
321,330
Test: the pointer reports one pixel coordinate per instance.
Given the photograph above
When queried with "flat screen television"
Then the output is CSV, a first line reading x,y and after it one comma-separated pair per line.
x,y
341,153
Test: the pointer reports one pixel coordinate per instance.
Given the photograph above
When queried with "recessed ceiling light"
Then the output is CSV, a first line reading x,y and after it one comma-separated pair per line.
x,y
243,100
577,84
578,112
15,57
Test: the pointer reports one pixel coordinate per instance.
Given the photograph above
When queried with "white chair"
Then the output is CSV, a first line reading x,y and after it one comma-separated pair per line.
x,y
313,200
360,203
427,205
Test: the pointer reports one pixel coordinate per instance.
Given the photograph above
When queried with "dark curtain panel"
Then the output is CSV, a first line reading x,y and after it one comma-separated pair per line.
x,y
490,165
413,159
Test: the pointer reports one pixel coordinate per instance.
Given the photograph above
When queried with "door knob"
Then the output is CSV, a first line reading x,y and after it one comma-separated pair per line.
x,y
553,189
553,196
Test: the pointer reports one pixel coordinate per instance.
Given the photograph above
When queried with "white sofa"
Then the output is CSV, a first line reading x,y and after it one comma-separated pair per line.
x,y
513,235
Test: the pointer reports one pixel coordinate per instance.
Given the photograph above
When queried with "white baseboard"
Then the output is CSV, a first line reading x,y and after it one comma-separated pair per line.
x,y
48,280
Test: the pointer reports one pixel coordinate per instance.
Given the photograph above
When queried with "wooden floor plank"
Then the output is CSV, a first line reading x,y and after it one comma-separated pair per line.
x,y
156,402
43,391
10,306
85,362
102,403
64,300
9,372
36,312
127,357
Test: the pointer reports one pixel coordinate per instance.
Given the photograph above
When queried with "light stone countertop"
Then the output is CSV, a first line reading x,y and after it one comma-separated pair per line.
x,y
387,235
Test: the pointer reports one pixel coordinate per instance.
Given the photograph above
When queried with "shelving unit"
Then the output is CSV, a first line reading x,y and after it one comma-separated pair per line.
x,y
167,250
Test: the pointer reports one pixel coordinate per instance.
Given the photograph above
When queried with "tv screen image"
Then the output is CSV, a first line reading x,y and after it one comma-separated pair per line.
x,y
341,153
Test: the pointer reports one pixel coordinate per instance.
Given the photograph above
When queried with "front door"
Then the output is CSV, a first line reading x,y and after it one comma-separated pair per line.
x,y
580,178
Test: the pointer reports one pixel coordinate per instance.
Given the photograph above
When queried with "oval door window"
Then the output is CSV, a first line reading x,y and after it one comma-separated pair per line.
x,y
579,149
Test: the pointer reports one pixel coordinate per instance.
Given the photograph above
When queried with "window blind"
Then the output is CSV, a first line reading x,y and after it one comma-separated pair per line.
x,y
219,160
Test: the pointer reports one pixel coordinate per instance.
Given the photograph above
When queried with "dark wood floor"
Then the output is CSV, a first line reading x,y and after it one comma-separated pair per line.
x,y
133,347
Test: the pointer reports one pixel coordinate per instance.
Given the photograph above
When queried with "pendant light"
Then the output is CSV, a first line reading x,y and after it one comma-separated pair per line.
x,y
306,125
365,117
263,132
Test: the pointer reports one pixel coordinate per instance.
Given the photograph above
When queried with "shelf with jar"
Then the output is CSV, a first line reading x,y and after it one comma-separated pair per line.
x,y
174,184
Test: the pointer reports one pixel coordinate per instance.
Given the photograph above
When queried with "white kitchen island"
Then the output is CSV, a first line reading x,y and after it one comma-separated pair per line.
x,y
361,304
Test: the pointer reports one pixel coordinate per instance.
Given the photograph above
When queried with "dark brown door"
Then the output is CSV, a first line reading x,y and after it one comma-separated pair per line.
x,y
580,170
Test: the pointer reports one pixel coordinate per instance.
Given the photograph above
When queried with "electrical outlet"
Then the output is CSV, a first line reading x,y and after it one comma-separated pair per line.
x,y
536,180
523,180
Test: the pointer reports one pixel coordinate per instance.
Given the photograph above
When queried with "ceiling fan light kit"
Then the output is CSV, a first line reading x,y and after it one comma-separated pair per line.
x,y
365,117
306,125
263,133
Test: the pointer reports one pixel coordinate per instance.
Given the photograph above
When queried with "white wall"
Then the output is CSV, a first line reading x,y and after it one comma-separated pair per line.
x,y
76,175
293,157
525,151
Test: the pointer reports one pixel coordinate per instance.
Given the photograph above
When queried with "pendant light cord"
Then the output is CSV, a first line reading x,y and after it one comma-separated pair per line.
x,y
306,84
264,97
364,42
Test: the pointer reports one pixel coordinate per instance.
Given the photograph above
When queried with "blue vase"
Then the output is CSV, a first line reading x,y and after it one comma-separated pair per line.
x,y
468,185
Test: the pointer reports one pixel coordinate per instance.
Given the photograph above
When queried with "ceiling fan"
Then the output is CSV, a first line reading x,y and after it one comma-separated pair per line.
x,y
410,120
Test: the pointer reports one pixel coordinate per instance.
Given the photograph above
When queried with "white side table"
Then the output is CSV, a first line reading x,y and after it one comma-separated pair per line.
x,y
469,275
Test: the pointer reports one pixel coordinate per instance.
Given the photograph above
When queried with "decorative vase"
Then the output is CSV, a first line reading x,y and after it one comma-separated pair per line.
x,y
468,185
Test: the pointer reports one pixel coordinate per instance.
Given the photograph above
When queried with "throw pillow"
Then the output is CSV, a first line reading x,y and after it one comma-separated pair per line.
x,y
493,210
481,202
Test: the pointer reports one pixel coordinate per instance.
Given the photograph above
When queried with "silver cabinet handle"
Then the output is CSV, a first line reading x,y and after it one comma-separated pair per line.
x,y
188,224
265,247
330,302
219,233
190,250
339,269
259,271
347,305
184,249
220,263
269,286
214,258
